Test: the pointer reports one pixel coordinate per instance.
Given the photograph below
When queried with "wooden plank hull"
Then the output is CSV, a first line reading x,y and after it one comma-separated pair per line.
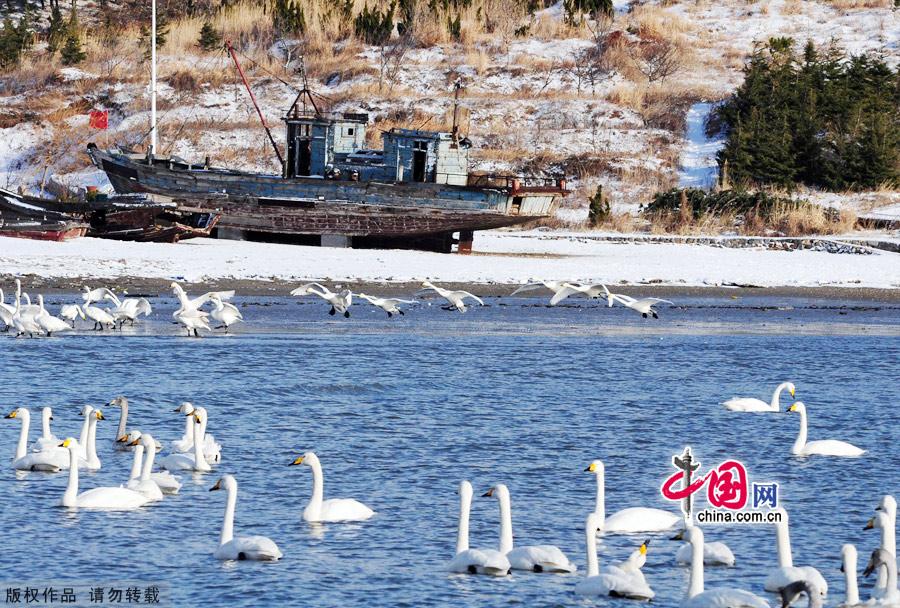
x,y
56,233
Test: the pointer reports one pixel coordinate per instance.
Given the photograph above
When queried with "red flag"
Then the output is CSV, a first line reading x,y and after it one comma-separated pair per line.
x,y
99,119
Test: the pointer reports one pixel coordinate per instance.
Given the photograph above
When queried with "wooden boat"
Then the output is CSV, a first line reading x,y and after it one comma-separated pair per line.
x,y
21,220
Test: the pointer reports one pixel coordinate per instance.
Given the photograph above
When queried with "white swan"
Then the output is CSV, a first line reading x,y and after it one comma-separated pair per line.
x,y
569,289
212,450
47,440
750,404
333,509
792,592
697,597
128,309
848,567
389,305
49,461
474,561
258,548
186,443
644,306
99,316
192,320
142,482
340,302
882,559
821,447
47,322
456,299
611,581
632,519
122,441
884,520
225,313
70,312
535,558
91,460
553,286
89,296
189,304
24,322
167,483
787,573
714,553
189,462
112,498
85,430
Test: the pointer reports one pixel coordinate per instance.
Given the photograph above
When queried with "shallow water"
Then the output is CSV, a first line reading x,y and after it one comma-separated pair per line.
x,y
399,410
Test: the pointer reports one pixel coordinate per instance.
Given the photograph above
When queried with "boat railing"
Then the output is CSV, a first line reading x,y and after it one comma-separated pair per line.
x,y
518,183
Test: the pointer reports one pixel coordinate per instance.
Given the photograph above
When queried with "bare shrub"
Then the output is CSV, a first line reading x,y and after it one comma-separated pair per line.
x,y
657,60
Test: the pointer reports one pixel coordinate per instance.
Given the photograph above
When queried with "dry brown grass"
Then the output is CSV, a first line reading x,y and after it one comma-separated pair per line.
x,y
792,7
656,23
858,4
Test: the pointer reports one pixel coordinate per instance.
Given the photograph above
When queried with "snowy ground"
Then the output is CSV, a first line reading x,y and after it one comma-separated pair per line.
x,y
699,168
502,257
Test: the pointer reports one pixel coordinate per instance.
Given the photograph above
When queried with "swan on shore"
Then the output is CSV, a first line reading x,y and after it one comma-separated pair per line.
x,y
389,305
47,322
23,322
534,558
70,312
99,316
611,581
644,306
258,548
191,304
128,309
193,320
474,561
787,573
697,596
225,313
456,299
333,509
632,519
340,302
821,447
89,296
110,498
751,404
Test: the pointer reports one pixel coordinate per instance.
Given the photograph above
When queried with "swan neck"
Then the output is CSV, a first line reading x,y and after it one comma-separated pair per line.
x,y
136,462
148,460
188,429
506,533
71,492
801,436
600,503
22,446
850,580
83,438
696,584
228,521
123,419
892,574
45,426
318,491
199,459
783,540
92,441
203,430
462,532
590,541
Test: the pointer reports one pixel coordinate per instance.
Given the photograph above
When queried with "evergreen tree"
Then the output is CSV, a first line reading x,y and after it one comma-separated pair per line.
x,y
599,210
72,53
289,18
210,39
162,32
374,26
56,34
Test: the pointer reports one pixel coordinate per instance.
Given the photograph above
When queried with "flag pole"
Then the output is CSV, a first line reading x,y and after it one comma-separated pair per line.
x,y
153,79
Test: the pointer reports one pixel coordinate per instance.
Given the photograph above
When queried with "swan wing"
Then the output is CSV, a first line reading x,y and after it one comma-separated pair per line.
x,y
177,462
168,483
831,447
651,302
784,576
47,460
747,404
563,293
615,584
257,548
641,519
714,554
462,295
725,598
540,558
310,288
110,498
528,287
477,561
344,509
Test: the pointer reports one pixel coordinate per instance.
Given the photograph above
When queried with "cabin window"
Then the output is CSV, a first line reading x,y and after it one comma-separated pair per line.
x,y
304,130
350,131
516,205
420,156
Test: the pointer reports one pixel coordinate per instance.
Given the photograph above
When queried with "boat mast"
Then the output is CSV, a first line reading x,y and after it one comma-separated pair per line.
x,y
152,78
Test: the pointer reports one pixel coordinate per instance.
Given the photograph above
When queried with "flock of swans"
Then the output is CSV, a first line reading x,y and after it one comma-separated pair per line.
x,y
197,451
35,320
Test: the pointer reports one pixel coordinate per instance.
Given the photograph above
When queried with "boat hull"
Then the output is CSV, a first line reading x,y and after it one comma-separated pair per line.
x,y
65,232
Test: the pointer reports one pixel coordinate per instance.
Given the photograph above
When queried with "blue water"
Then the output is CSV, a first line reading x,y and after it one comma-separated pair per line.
x,y
400,410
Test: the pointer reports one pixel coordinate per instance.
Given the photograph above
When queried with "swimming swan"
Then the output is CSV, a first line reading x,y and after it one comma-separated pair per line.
x,y
714,553
884,520
259,548
848,567
822,447
47,440
49,461
474,561
212,450
630,520
121,442
610,582
456,299
750,404
884,560
189,462
787,573
333,509
697,597
142,482
112,498
167,483
535,558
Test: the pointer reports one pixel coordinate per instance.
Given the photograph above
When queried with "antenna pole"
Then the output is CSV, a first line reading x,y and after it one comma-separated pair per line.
x,y
152,78
255,105
456,112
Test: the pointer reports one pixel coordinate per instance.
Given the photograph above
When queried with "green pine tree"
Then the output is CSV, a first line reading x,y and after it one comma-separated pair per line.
x,y
56,35
210,39
72,53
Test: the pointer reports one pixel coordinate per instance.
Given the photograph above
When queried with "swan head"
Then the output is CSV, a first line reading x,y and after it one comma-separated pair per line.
x,y
427,284
797,406
499,492
848,553
791,592
86,410
98,414
130,437
144,440
465,488
186,408
887,504
881,521
879,558
309,459
596,467
791,388
226,482
70,443
120,401
47,413
19,412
